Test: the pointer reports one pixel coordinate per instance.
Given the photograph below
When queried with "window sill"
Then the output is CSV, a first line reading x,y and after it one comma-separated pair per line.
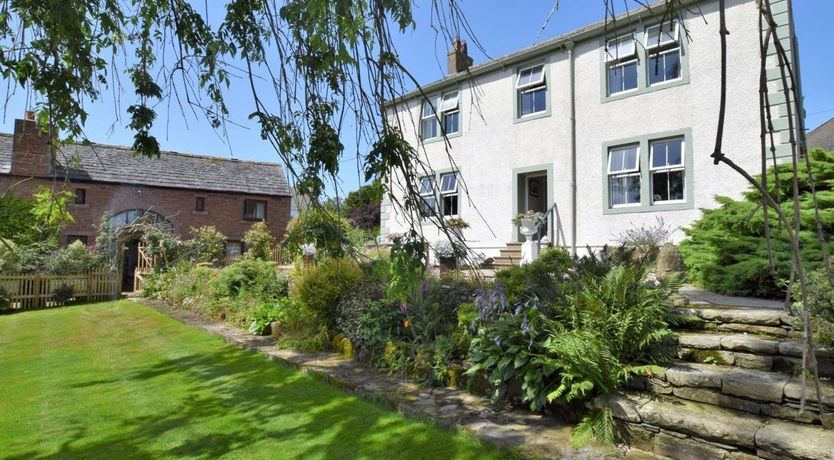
x,y
81,206
683,80
532,116
200,213
440,138
643,208
249,221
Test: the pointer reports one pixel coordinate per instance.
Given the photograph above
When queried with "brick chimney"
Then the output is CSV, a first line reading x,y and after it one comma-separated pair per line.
x,y
459,59
30,148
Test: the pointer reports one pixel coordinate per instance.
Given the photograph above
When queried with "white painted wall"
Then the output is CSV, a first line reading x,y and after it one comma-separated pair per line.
x,y
491,145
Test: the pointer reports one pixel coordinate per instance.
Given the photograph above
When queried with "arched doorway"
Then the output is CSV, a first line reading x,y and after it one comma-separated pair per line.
x,y
130,225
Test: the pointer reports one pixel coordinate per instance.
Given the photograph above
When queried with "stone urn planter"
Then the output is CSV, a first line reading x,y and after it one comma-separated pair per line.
x,y
446,264
529,228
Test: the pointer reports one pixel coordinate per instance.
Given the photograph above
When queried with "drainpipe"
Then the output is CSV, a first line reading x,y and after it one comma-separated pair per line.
x,y
569,46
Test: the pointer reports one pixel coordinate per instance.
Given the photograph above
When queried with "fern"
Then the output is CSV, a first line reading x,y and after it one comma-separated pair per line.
x,y
597,424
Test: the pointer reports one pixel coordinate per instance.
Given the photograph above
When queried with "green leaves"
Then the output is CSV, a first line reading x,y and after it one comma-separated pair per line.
x,y
726,250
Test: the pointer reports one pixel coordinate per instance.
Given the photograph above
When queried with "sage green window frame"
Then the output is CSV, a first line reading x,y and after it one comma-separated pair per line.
x,y
548,85
640,33
646,204
438,197
436,101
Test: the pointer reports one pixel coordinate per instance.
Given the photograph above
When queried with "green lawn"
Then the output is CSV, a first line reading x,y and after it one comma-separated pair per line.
x,y
119,380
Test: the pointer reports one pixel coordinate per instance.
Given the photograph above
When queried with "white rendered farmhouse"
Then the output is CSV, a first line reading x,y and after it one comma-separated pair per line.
x,y
601,128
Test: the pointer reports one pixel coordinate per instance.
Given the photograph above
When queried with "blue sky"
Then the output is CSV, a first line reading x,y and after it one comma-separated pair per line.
x,y
500,26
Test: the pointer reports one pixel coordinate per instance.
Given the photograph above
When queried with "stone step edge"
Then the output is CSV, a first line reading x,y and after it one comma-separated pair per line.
x,y
725,429
787,408
744,383
750,316
747,343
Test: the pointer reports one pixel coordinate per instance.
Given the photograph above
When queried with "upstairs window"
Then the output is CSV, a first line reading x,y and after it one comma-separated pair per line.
x,y
667,170
200,204
428,204
450,112
449,194
445,110
80,196
532,90
428,121
624,176
621,63
664,53
254,210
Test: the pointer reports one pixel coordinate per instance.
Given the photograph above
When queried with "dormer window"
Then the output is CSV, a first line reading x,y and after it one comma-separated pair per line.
x,y
448,106
621,62
664,52
531,87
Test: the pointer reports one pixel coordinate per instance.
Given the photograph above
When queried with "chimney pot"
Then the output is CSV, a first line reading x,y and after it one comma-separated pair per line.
x,y
459,60
29,115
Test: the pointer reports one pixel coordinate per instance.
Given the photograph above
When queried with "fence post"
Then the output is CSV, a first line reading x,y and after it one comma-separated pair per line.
x,y
90,289
36,287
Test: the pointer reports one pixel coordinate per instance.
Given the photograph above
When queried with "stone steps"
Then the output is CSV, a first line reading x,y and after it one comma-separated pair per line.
x,y
685,430
750,351
770,394
759,321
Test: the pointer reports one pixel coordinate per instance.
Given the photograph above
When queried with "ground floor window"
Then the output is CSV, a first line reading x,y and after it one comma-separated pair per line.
x,y
449,194
667,169
624,175
443,200
233,248
650,171
428,203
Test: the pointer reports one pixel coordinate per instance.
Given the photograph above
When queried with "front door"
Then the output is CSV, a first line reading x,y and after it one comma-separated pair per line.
x,y
532,194
130,258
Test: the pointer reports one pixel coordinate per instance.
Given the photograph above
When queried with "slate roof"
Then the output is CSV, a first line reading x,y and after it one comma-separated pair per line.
x,y
117,164
822,137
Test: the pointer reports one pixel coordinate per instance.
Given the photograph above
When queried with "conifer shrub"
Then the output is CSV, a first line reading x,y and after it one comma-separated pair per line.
x,y
726,250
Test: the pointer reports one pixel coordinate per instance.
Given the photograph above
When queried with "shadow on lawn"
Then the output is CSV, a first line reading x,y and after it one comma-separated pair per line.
x,y
237,404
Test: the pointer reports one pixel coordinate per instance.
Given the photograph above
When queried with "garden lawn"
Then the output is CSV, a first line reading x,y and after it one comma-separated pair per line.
x,y
120,380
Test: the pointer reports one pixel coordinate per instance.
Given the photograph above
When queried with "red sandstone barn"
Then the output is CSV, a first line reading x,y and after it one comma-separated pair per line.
x,y
179,191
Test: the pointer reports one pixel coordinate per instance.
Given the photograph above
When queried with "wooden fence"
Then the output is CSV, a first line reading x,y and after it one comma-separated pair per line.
x,y
279,256
38,291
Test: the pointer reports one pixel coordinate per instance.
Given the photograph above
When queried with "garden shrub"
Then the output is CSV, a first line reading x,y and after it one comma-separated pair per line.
x,y
820,296
321,287
162,244
250,277
63,294
328,232
73,259
263,316
367,320
18,223
5,299
32,258
207,245
259,242
597,322
726,251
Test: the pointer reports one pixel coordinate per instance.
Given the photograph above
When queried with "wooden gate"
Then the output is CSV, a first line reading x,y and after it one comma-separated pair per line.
x,y
144,267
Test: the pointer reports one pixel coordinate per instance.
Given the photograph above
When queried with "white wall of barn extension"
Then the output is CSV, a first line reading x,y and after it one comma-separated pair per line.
x,y
493,144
